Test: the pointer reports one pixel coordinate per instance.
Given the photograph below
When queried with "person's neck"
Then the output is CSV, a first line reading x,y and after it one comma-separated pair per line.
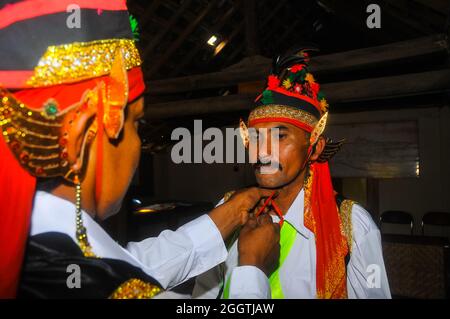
x,y
67,192
288,193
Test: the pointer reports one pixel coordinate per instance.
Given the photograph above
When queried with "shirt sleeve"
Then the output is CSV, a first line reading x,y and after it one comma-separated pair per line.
x,y
248,282
209,284
366,273
230,281
176,256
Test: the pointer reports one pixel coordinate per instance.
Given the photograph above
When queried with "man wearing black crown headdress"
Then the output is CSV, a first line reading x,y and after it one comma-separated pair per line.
x,y
330,246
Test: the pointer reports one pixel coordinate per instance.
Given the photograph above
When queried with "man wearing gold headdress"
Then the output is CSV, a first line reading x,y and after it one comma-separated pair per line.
x,y
330,247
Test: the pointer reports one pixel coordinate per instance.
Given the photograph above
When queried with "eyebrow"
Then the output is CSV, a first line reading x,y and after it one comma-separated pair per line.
x,y
280,127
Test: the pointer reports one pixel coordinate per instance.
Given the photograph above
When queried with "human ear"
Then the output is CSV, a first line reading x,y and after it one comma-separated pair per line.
x,y
318,149
77,137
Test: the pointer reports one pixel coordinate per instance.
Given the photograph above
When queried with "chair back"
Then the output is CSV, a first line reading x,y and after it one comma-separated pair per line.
x,y
397,217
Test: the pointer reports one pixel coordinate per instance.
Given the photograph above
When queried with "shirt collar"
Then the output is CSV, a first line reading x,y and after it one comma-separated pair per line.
x,y
295,215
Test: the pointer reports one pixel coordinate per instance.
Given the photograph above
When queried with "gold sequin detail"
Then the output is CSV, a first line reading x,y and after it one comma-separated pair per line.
x,y
309,220
35,138
275,110
228,195
83,242
82,60
346,219
335,272
32,138
135,289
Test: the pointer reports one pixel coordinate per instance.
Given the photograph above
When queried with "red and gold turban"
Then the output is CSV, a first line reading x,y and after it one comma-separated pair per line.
x,y
50,72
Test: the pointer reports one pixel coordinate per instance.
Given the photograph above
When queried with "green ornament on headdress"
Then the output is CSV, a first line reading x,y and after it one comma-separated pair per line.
x,y
303,74
267,97
320,96
134,27
293,77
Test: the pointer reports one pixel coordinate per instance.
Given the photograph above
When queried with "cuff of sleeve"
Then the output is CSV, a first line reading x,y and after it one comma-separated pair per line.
x,y
207,242
249,282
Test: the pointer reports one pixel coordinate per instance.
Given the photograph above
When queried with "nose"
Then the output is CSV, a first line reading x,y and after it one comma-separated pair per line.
x,y
264,144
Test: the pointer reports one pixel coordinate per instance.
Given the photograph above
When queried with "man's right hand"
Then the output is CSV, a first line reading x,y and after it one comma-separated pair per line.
x,y
259,244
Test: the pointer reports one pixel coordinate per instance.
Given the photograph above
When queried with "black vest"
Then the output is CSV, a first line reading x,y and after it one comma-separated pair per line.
x,y
45,270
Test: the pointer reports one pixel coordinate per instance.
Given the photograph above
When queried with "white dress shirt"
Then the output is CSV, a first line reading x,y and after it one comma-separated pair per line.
x,y
171,258
366,274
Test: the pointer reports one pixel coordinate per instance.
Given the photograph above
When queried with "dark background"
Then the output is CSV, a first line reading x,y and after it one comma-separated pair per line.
x,y
389,95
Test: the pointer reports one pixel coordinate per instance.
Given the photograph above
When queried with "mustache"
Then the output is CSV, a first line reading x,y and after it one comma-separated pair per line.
x,y
260,163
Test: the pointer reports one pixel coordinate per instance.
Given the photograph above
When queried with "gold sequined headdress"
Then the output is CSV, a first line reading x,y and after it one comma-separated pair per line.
x,y
53,84
56,64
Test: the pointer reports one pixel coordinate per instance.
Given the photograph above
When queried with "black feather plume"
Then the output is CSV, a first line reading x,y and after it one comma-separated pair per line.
x,y
293,57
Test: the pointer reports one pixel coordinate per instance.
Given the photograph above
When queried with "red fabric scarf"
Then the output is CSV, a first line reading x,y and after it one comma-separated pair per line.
x,y
16,198
322,217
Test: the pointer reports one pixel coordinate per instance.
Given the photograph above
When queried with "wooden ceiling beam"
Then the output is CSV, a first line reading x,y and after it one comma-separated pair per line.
x,y
237,30
188,15
240,47
177,43
402,15
353,14
251,28
169,26
341,92
442,6
148,12
216,28
343,61
295,26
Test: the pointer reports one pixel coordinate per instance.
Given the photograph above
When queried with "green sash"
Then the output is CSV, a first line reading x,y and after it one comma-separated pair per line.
x,y
287,238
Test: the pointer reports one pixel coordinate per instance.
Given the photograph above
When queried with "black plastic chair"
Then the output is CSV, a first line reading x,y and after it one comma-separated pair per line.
x,y
435,219
397,217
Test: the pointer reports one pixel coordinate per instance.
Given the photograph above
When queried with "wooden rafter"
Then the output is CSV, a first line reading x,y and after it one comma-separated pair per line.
x,y
442,6
148,12
188,15
404,16
349,91
291,28
266,20
236,31
251,27
155,41
344,61
352,13
217,27
179,41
